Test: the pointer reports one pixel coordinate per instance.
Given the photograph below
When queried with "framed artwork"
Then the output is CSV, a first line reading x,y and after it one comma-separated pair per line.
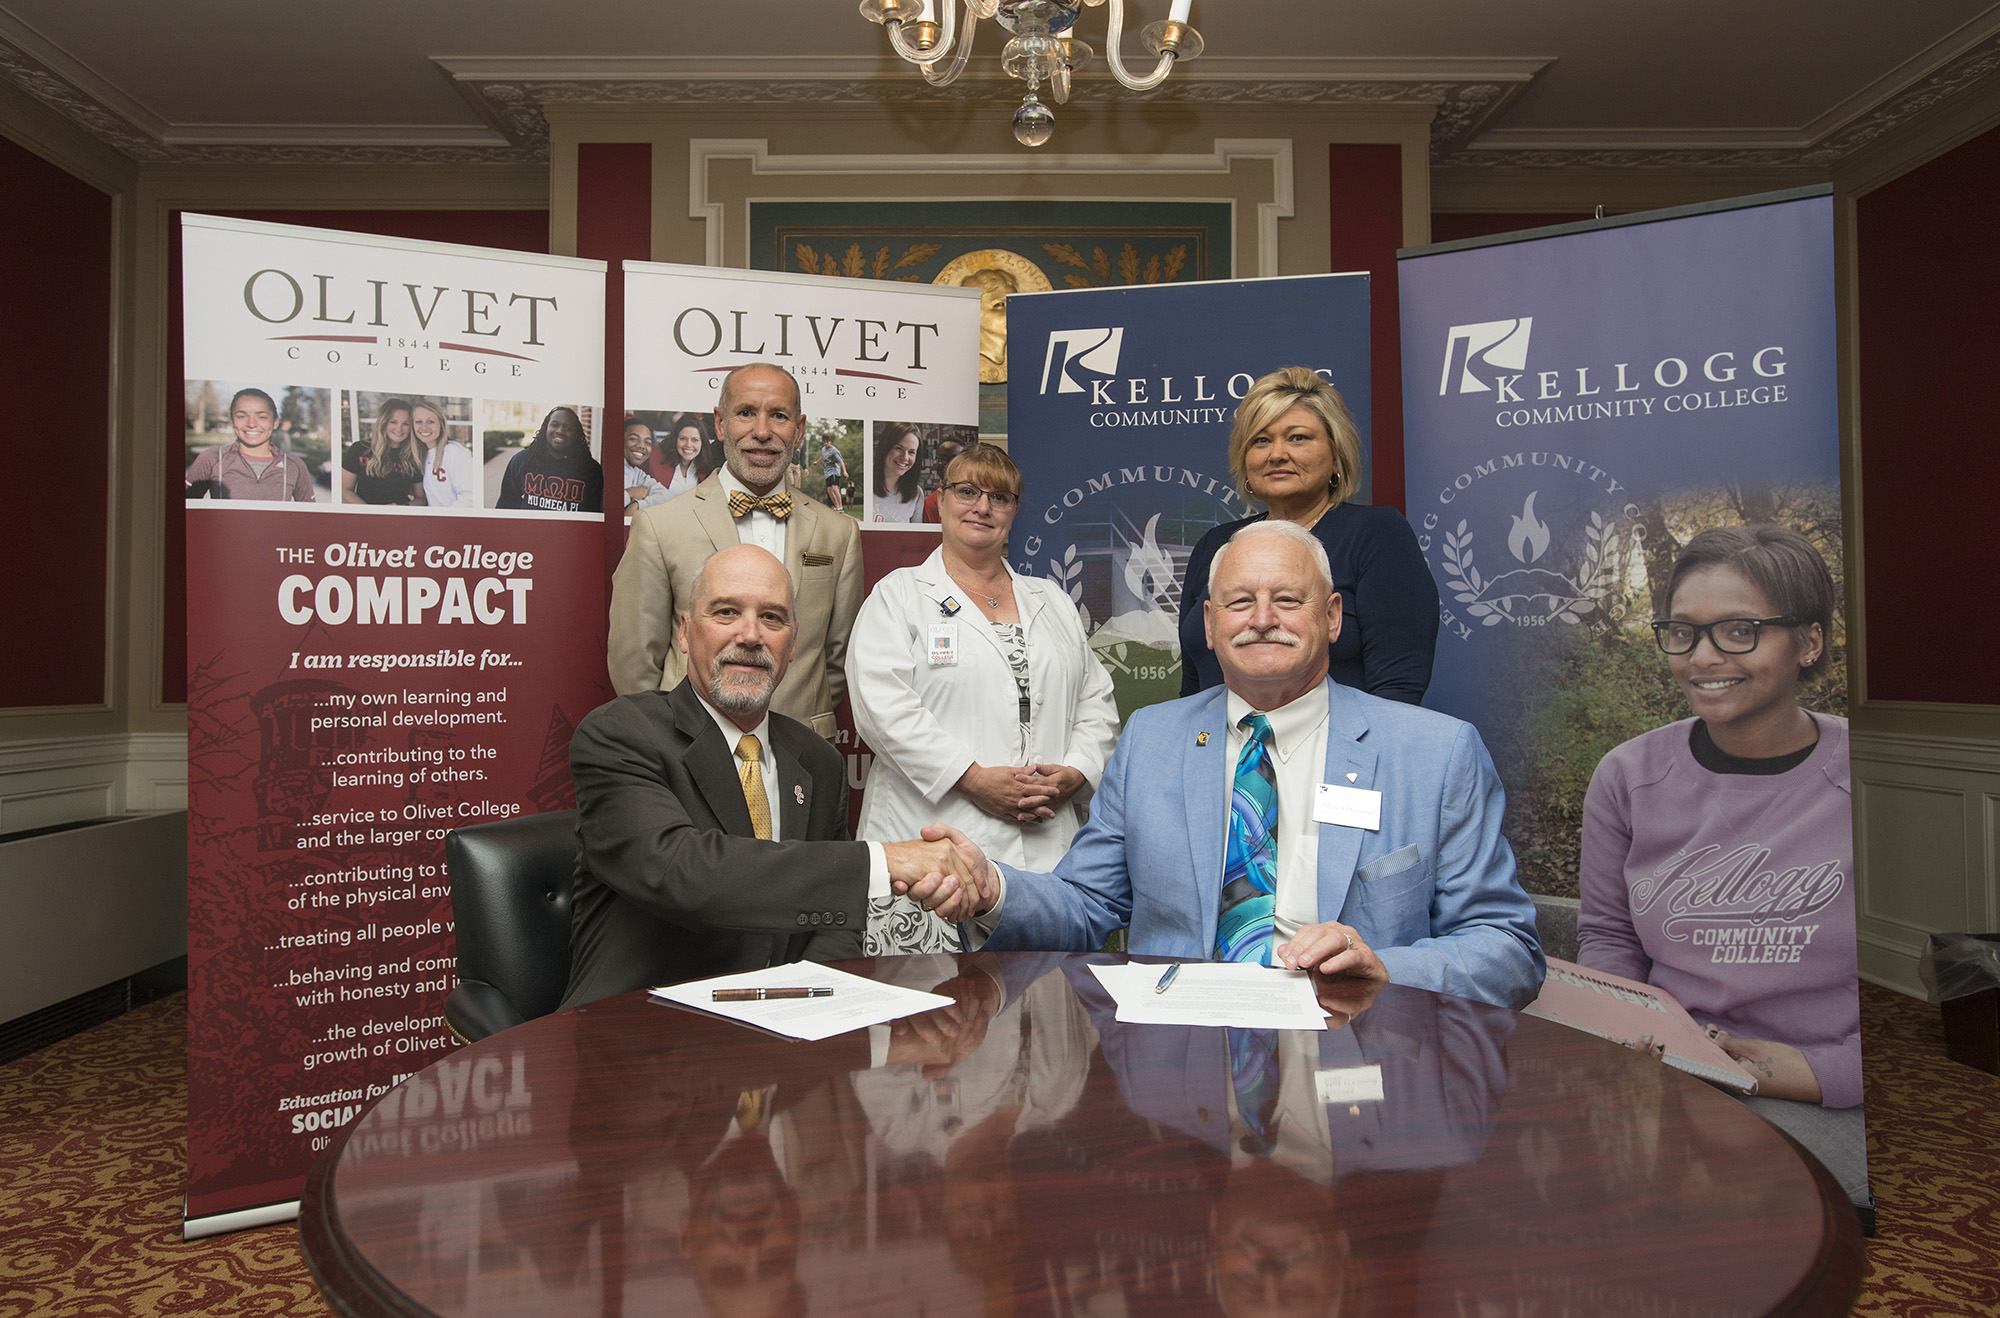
x,y
1000,247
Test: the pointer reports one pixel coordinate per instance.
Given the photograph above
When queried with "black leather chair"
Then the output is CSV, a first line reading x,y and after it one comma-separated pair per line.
x,y
510,896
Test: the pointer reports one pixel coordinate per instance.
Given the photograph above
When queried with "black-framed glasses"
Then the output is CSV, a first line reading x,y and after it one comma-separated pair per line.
x,y
1727,635
1000,499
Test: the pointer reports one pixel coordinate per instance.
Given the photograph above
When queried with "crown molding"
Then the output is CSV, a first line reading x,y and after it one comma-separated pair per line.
x,y
512,93
1948,68
1467,97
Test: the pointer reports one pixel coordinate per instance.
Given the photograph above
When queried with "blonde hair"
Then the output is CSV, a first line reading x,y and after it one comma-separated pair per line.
x,y
436,410
404,458
1278,393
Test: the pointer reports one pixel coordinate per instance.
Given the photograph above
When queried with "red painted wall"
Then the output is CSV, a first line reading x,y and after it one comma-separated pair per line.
x,y
511,230
614,222
1365,231
55,372
1929,339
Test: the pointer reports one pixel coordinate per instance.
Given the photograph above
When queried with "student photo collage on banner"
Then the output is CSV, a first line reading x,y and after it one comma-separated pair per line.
x,y
887,392
394,571
888,381
1622,452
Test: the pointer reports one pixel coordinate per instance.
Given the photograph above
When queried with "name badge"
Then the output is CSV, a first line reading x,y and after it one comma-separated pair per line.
x,y
944,644
1349,1084
1351,807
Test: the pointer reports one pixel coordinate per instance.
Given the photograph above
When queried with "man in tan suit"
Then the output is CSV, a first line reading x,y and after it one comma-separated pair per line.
x,y
744,502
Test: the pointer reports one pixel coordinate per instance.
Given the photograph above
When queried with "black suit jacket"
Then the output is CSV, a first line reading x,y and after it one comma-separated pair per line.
x,y
671,882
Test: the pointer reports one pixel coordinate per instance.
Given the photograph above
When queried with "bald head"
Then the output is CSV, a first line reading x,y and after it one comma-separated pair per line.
x,y
737,564
770,372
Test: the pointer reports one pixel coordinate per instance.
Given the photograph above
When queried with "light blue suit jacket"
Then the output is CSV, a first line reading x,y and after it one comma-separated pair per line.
x,y
1433,891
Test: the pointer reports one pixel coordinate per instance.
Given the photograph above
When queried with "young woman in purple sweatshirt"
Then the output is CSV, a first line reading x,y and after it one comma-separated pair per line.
x,y
1718,852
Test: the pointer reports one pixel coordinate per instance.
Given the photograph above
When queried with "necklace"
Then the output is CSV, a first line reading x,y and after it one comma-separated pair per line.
x,y
992,601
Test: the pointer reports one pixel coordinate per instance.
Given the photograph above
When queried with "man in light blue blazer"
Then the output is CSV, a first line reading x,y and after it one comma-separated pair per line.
x,y
1390,864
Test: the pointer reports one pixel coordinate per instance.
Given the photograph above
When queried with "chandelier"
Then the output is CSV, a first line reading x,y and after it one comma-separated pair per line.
x,y
931,35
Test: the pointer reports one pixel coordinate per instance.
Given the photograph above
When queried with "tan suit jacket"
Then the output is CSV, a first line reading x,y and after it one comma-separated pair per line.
x,y
667,545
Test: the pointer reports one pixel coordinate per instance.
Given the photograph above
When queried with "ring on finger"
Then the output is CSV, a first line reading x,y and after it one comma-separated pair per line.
x,y
1350,940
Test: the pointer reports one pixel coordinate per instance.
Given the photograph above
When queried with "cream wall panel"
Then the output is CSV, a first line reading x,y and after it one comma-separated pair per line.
x,y
57,780
1913,851
1927,817
953,151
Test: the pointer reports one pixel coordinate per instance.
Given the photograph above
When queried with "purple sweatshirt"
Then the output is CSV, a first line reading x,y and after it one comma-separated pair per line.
x,y
1733,892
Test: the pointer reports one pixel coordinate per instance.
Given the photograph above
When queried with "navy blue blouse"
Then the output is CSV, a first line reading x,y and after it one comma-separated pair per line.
x,y
1388,603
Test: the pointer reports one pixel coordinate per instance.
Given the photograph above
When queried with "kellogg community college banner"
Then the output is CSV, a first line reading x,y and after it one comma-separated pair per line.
x,y
889,374
1579,404
1119,406
395,605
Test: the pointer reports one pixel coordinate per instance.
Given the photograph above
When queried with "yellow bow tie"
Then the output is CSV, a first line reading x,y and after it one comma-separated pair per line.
x,y
779,505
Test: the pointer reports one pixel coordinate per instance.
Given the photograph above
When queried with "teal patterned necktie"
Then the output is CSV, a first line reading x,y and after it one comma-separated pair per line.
x,y
1250,864
1253,1074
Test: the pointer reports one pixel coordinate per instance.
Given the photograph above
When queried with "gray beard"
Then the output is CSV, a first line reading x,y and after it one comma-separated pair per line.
x,y
739,469
739,699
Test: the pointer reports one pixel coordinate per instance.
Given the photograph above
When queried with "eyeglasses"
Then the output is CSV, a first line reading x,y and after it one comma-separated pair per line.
x,y
969,493
1727,635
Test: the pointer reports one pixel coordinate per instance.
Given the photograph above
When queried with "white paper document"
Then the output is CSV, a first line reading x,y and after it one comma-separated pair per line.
x,y
1215,993
856,1002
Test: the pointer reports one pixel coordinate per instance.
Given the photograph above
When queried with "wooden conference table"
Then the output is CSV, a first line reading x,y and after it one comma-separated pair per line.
x,y
1025,1154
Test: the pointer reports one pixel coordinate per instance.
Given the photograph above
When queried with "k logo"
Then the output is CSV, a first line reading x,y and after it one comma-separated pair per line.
x,y
1498,344
1095,350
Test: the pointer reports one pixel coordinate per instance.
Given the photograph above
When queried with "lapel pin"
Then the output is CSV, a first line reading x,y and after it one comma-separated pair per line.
x,y
1201,739
798,793
1352,776
949,606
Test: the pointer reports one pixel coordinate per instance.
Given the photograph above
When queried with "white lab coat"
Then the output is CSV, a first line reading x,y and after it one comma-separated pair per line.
x,y
927,725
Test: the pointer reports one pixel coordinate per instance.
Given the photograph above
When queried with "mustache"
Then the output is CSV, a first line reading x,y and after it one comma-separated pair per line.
x,y
1251,636
737,654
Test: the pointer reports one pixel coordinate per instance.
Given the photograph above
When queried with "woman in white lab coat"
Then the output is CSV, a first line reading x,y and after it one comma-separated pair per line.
x,y
980,697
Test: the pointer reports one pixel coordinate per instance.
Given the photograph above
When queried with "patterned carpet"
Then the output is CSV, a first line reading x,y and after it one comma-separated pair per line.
x,y
92,1143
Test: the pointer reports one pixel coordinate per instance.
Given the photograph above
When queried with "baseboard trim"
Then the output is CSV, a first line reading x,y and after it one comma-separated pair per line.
x,y
59,780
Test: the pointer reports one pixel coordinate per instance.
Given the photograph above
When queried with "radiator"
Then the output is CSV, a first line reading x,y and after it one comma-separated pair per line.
x,y
82,907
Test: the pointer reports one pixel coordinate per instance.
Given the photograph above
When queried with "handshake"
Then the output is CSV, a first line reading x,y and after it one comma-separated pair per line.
x,y
946,873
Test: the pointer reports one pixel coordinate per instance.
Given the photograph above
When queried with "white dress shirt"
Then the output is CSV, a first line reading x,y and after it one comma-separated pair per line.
x,y
1298,746
767,765
756,527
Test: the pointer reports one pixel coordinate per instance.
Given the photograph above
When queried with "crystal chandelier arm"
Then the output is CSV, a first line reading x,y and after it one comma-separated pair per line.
x,y
956,65
946,35
1114,38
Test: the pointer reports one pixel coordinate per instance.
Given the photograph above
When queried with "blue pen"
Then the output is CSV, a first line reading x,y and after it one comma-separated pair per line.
x,y
1167,978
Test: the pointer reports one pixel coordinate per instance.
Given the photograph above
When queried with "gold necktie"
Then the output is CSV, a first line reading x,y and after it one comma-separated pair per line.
x,y
779,505
752,774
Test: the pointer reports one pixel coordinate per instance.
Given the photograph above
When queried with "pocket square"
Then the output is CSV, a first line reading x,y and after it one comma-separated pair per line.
x,y
810,559
1395,862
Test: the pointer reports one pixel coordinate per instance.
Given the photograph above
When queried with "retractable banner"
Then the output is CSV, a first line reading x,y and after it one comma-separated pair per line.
x,y
888,374
395,613
1119,405
1580,404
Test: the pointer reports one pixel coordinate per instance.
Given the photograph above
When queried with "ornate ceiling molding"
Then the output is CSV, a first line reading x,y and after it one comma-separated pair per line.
x,y
1465,94
1955,74
1466,97
78,95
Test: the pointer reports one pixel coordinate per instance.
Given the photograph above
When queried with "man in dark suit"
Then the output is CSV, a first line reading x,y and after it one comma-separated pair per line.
x,y
714,831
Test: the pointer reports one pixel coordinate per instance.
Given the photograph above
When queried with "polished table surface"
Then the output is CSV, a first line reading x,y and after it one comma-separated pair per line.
x,y
1023,1153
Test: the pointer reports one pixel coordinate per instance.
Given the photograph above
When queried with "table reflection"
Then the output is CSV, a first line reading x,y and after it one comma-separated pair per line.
x,y
1022,1153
